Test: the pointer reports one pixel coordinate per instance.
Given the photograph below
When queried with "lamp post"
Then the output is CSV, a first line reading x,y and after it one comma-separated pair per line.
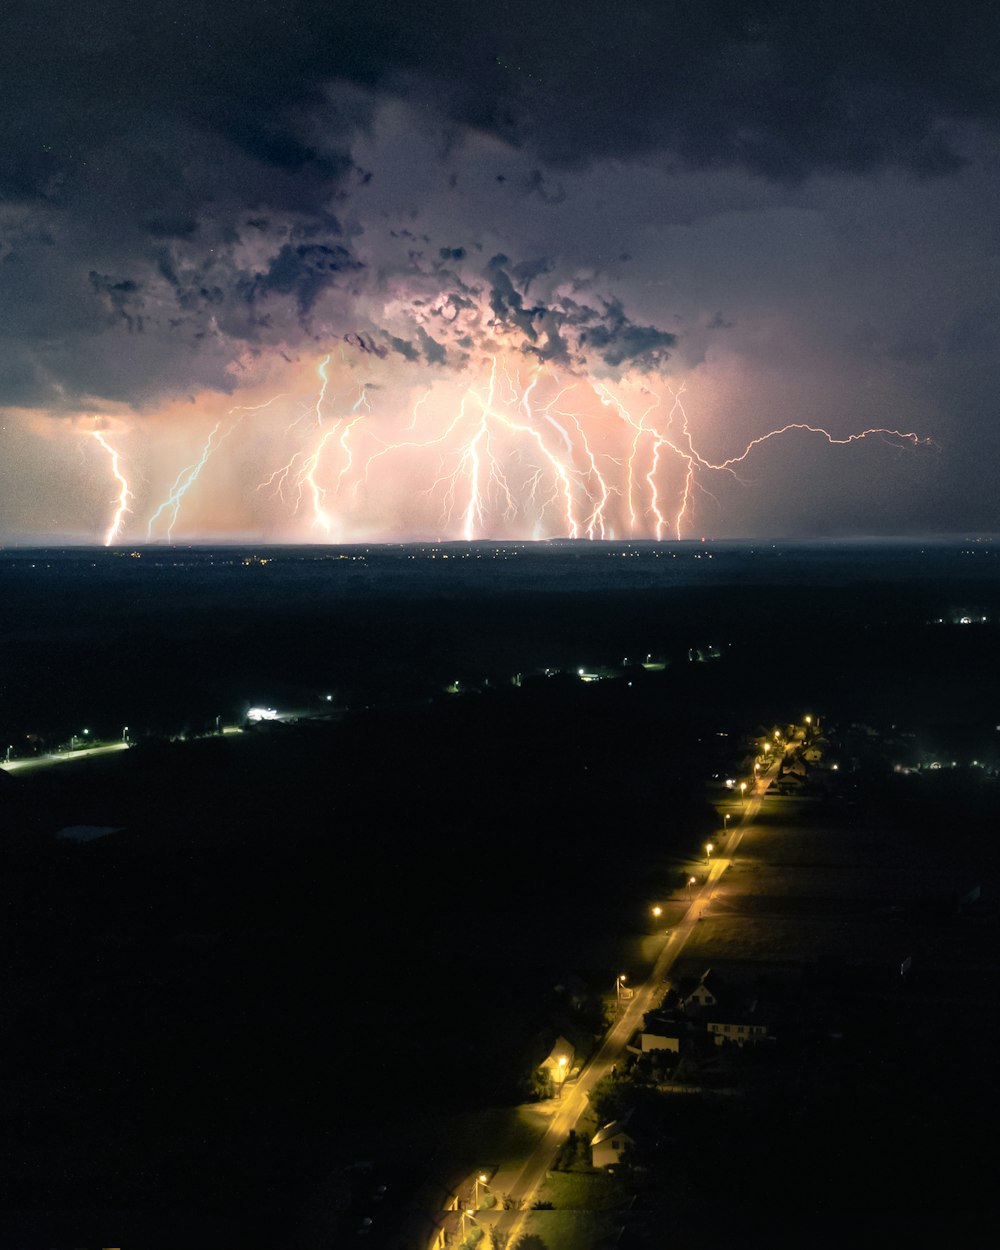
x,y
620,980
690,884
725,824
480,1180
743,792
561,1070
709,848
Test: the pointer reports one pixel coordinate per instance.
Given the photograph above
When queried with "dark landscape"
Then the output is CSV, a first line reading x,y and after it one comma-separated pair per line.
x,y
499,624
325,941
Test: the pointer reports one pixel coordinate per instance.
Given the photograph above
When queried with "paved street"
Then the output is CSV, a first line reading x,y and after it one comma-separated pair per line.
x,y
62,757
574,1101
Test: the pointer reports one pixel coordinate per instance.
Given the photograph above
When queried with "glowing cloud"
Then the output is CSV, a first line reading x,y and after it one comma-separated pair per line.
x,y
513,449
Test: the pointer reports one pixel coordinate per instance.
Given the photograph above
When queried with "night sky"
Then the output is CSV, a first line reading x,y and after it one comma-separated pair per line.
x,y
516,270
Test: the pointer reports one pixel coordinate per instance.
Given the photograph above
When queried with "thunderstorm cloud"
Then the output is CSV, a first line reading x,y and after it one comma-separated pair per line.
x,y
791,205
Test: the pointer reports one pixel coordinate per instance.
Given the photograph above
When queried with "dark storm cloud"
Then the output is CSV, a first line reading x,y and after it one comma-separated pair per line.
x,y
780,86
565,331
491,307
304,271
171,171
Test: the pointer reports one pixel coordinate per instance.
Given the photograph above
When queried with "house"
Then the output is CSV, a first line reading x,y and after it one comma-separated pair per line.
x,y
557,1066
661,1032
709,992
610,1142
559,1058
737,1027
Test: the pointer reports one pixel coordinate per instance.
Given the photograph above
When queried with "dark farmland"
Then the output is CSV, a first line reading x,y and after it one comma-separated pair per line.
x,y
304,938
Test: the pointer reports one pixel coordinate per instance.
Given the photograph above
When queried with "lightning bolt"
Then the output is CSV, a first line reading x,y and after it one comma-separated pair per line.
x,y
188,476
301,467
124,493
514,449
182,483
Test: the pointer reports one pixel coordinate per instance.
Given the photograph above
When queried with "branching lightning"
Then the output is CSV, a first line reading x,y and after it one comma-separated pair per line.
x,y
515,450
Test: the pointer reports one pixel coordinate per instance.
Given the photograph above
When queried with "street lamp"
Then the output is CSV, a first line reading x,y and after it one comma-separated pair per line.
x,y
657,911
743,791
620,980
481,1179
709,848
563,1061
467,1213
725,823
691,882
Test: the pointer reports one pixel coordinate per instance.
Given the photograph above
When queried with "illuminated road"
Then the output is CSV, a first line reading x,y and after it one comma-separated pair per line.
x,y
85,753
61,757
574,1100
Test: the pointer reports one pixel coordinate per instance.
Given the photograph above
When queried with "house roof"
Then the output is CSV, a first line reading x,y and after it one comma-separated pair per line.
x,y
711,982
561,1049
86,833
615,1129
663,1025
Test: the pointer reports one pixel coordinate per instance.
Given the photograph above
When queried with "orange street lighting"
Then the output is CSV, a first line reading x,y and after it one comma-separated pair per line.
x,y
657,911
809,720
725,822
620,980
690,884
743,790
709,848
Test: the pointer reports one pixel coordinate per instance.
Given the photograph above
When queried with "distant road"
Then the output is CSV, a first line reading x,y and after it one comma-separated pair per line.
x,y
61,757
574,1099
64,757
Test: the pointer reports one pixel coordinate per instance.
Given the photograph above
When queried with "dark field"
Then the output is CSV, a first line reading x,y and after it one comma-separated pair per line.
x,y
305,939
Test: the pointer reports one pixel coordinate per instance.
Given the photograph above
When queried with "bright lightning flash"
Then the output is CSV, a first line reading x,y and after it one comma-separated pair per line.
x,y
514,451
124,493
